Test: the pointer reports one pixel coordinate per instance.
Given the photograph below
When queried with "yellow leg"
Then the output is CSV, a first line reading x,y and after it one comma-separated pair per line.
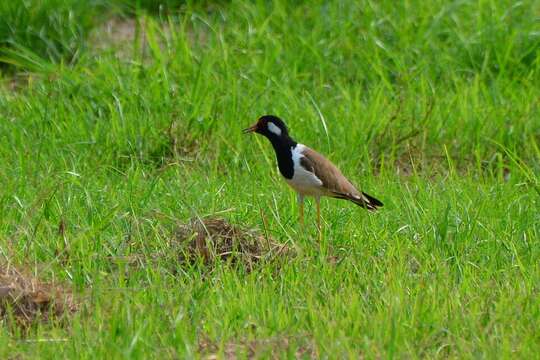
x,y
318,202
302,215
300,199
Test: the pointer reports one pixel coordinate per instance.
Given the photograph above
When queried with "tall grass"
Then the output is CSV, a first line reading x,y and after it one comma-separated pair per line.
x,y
33,31
53,30
432,107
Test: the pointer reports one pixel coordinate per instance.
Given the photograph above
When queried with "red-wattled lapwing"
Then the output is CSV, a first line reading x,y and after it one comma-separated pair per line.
x,y
306,171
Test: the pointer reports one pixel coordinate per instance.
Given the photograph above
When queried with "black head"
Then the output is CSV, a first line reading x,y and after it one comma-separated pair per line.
x,y
270,126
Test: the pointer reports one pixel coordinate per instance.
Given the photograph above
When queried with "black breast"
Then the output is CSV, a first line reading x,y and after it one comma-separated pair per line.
x,y
285,163
284,156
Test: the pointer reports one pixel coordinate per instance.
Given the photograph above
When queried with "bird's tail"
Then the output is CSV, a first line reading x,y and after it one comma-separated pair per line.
x,y
366,201
363,200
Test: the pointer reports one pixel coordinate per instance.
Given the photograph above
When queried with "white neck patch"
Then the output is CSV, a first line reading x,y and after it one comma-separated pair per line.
x,y
274,129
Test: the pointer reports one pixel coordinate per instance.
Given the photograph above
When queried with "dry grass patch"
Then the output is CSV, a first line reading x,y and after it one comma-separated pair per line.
x,y
208,239
127,37
120,35
29,300
298,347
215,238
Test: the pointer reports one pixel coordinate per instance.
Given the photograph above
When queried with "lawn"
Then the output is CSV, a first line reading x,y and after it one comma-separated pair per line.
x,y
120,125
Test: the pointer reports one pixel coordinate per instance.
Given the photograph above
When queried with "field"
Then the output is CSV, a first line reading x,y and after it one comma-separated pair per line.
x,y
120,126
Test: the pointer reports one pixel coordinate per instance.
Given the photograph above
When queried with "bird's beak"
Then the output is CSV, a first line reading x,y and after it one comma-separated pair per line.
x,y
250,129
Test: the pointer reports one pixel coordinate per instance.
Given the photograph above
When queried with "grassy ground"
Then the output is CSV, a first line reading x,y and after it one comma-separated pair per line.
x,y
114,137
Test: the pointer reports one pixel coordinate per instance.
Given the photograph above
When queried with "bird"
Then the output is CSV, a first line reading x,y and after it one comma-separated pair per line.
x,y
306,171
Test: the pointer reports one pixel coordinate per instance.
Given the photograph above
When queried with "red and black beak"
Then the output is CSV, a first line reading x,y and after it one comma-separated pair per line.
x,y
250,129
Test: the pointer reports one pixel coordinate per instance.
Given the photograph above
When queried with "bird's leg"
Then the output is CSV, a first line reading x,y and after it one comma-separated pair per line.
x,y
300,199
318,202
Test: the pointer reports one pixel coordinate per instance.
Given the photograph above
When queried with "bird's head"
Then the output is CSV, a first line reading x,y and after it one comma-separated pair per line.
x,y
269,126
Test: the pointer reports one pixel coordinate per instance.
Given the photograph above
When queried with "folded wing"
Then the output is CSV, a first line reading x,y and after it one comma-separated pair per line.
x,y
334,182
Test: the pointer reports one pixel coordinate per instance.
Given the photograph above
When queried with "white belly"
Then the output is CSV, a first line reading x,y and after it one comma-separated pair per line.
x,y
303,181
305,189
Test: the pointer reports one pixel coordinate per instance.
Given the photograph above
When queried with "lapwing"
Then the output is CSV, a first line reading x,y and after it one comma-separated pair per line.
x,y
308,172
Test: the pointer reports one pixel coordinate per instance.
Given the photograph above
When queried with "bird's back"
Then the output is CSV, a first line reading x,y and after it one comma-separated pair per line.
x,y
334,182
332,178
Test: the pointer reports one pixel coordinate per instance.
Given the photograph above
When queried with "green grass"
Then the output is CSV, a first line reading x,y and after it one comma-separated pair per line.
x,y
431,107
54,30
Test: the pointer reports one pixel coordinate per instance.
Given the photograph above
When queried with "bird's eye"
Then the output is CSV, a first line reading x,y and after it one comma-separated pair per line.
x,y
274,129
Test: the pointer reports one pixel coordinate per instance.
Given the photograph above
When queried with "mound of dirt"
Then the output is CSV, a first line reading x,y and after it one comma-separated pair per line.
x,y
213,238
29,300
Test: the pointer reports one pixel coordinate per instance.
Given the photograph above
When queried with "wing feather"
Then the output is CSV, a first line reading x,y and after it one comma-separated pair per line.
x,y
334,181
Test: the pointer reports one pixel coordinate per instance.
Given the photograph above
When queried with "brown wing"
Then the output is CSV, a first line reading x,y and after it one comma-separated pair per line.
x,y
334,181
